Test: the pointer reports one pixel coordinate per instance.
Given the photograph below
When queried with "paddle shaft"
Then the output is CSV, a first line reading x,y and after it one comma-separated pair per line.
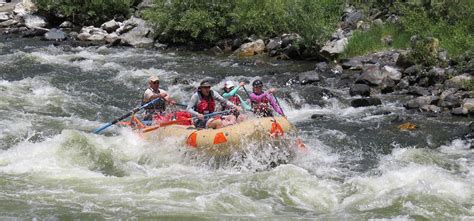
x,y
281,108
127,115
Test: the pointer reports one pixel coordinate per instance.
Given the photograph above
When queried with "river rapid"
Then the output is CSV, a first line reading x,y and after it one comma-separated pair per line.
x,y
358,166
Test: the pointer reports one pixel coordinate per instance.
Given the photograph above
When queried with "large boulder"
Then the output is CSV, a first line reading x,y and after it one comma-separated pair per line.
x,y
359,89
391,73
110,26
4,16
250,48
90,33
419,102
460,81
308,77
335,47
25,7
371,75
141,35
34,21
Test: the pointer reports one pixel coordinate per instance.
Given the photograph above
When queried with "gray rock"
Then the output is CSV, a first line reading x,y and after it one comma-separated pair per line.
x,y
418,91
110,26
273,44
420,101
371,75
55,35
352,64
4,16
392,73
468,104
359,89
459,111
335,46
431,108
8,23
460,81
34,21
308,77
66,24
112,38
365,102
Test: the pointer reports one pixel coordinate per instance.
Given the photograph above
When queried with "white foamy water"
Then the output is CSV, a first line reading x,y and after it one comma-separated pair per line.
x,y
357,165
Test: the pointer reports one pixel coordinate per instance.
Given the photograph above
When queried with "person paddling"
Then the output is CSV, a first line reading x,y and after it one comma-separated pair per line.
x,y
153,92
230,94
261,101
204,102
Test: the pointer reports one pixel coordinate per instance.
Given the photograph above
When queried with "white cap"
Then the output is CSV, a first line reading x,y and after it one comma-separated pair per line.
x,y
229,84
153,78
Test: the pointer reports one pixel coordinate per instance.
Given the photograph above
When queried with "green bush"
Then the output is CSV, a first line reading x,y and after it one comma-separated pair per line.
x,y
87,12
363,42
182,21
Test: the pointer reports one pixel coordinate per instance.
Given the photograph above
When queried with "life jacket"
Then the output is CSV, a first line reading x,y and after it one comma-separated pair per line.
x,y
262,107
159,106
234,99
206,104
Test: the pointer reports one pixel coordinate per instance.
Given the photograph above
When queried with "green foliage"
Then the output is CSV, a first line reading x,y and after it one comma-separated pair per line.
x,y
450,22
181,21
87,12
424,51
369,41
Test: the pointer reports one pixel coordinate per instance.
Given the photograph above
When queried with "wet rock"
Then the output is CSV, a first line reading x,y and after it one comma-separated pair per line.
x,y
273,44
335,46
371,75
448,99
322,67
112,38
418,91
431,108
392,73
66,24
460,81
216,50
315,95
418,102
317,116
308,77
387,86
90,33
403,84
8,23
250,49
365,102
353,64
141,35
468,104
110,26
55,35
403,61
4,16
459,111
412,70
350,19
359,89
289,39
34,21
33,33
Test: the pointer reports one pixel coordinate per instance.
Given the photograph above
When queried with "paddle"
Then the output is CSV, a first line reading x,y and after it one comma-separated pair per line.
x,y
126,115
281,108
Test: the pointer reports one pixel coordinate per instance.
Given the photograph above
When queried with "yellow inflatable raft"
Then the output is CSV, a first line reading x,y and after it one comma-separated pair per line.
x,y
222,141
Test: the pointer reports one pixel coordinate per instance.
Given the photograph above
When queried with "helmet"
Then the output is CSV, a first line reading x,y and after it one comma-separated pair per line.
x,y
229,84
257,83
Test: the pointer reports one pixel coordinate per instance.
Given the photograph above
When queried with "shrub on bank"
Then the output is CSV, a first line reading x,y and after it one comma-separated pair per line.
x,y
182,21
451,23
87,12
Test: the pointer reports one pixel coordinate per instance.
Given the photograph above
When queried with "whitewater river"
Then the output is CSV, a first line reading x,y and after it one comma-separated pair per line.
x,y
359,165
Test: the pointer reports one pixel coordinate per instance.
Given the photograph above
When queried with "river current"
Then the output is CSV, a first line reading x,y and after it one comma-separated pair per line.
x,y
358,166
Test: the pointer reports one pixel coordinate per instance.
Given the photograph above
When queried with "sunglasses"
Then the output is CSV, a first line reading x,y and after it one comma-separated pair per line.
x,y
155,82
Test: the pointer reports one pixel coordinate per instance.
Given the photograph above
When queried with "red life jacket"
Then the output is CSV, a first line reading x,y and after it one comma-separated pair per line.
x,y
206,105
234,99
